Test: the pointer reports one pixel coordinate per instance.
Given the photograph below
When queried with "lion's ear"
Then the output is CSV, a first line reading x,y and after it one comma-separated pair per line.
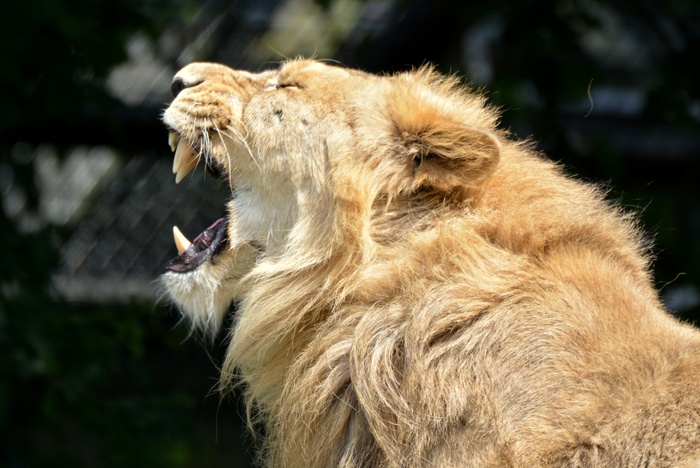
x,y
445,145
448,155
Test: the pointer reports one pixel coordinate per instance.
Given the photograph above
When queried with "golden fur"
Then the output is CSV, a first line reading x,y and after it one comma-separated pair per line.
x,y
414,288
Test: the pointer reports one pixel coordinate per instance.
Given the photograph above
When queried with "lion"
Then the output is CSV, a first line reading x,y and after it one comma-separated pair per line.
x,y
414,286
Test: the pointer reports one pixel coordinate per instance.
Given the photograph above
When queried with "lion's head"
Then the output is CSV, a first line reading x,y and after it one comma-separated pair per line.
x,y
305,147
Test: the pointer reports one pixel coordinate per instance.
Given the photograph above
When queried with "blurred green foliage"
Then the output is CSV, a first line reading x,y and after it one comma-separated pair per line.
x,y
99,385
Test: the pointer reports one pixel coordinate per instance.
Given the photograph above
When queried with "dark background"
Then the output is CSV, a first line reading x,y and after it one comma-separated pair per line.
x,y
92,371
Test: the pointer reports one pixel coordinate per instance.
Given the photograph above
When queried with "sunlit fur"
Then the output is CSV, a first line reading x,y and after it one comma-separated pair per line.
x,y
415,288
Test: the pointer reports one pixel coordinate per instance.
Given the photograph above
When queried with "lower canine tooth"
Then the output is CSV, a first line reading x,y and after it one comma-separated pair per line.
x,y
181,241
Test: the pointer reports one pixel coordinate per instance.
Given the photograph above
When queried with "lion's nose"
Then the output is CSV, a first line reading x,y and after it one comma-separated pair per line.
x,y
177,86
181,82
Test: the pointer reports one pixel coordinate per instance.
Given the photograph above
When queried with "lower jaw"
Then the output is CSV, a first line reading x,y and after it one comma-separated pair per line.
x,y
207,245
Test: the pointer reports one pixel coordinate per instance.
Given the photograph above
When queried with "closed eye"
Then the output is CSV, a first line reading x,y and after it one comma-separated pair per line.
x,y
276,86
280,83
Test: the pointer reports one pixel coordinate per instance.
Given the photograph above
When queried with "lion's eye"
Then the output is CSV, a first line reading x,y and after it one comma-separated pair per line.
x,y
276,86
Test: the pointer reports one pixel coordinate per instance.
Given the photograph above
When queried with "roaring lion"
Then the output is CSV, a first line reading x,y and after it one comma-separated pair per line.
x,y
413,287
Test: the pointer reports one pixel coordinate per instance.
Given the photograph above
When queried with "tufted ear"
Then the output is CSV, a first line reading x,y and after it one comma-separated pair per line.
x,y
444,132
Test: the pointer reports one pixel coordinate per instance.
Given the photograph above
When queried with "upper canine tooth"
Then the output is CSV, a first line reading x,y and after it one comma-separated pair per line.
x,y
185,160
172,140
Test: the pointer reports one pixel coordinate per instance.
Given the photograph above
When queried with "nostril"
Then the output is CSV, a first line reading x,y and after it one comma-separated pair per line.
x,y
177,86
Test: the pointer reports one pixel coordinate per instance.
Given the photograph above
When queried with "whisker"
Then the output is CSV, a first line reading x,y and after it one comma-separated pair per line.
x,y
228,155
242,140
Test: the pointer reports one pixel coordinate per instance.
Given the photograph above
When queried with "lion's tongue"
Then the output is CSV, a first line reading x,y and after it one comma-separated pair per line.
x,y
193,254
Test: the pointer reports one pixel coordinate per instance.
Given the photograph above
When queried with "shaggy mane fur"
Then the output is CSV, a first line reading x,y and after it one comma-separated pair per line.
x,y
417,289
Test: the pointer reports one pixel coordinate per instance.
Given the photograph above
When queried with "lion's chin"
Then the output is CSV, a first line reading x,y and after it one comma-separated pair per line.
x,y
194,279
202,295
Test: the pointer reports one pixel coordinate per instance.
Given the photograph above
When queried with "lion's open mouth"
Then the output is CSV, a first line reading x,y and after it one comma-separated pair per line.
x,y
193,254
210,242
